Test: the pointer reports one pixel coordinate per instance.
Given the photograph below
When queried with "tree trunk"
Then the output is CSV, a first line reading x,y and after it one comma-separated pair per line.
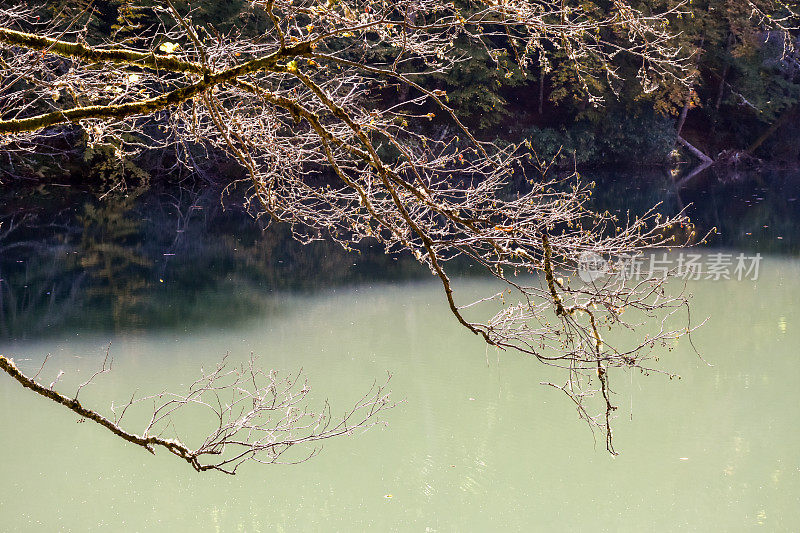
x,y
410,19
694,150
721,89
682,116
784,118
541,90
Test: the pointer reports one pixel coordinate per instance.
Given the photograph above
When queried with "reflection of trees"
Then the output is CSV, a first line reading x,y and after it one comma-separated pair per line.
x,y
111,253
749,209
98,266
46,299
39,287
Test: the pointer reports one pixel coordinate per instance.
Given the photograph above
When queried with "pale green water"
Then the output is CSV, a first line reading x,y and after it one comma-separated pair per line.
x,y
473,448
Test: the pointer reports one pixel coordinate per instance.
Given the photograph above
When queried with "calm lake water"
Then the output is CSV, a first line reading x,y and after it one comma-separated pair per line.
x,y
473,446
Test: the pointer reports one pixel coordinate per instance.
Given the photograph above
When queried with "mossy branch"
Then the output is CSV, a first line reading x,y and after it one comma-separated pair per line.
x,y
548,275
149,443
110,111
121,56
141,107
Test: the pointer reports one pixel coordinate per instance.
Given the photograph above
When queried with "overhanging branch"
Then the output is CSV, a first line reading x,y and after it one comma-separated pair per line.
x,y
121,56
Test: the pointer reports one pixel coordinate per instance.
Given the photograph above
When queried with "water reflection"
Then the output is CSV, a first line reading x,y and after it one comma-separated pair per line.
x,y
77,261
752,211
178,258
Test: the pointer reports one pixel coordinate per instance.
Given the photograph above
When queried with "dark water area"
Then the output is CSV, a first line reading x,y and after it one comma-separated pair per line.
x,y
74,261
750,212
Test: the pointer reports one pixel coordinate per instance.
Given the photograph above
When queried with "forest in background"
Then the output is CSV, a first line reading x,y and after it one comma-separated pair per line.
x,y
741,107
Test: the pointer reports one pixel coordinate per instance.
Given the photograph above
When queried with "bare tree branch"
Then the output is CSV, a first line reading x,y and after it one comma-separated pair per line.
x,y
257,416
308,108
